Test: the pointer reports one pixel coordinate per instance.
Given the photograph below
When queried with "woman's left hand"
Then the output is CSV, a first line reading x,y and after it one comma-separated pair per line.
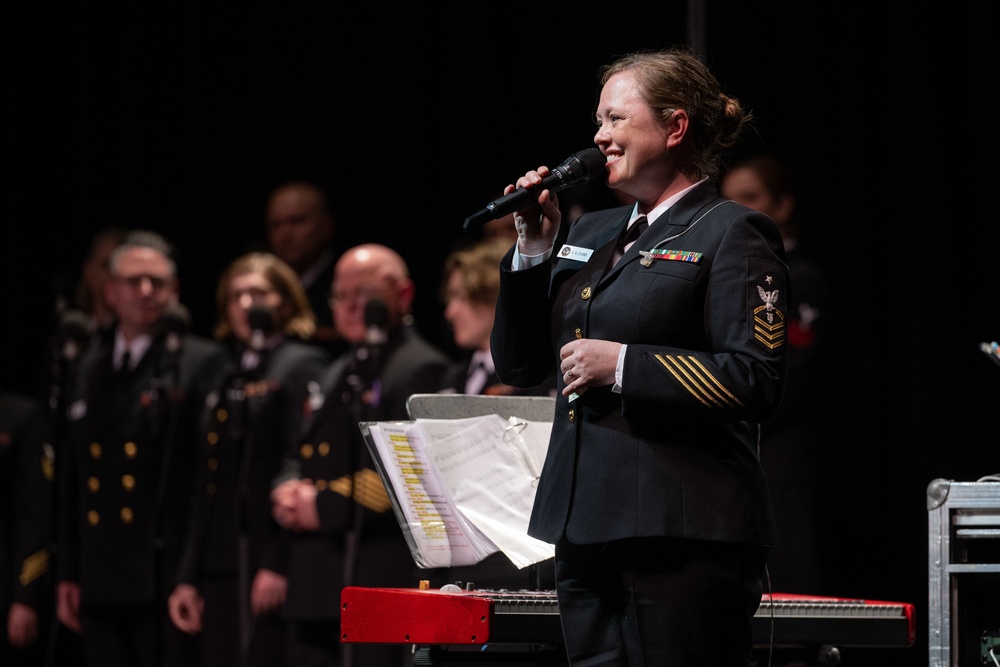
x,y
588,363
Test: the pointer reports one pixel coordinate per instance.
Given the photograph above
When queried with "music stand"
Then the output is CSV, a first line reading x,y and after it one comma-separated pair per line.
x,y
453,407
461,406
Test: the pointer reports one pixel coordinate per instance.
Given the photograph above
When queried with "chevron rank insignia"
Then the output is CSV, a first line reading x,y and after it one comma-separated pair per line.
x,y
766,296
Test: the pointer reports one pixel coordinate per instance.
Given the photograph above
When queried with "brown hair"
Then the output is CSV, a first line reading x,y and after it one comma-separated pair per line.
x,y
676,79
479,266
295,317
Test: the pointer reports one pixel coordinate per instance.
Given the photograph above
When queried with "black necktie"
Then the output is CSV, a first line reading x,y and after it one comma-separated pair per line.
x,y
630,235
124,366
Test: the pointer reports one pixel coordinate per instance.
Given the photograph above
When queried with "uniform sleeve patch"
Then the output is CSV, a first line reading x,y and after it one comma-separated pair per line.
x,y
767,296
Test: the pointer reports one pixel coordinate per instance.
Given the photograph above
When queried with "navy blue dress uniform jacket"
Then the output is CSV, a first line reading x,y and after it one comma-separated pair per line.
x,y
26,499
250,423
332,454
133,450
674,454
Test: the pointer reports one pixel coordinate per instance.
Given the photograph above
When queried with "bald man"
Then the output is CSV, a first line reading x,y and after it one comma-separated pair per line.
x,y
341,527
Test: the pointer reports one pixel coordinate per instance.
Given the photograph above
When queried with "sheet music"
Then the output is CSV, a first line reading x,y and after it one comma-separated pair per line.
x,y
465,487
440,535
491,467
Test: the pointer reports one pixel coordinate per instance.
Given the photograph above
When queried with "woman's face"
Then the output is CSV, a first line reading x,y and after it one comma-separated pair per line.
x,y
471,322
246,290
633,140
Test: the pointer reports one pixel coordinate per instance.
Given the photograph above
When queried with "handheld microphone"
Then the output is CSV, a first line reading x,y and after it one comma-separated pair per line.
x,y
261,320
581,167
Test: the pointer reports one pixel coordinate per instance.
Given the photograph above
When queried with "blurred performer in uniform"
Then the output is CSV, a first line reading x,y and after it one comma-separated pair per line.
x,y
795,444
78,322
82,318
232,584
132,452
471,285
26,496
301,232
329,496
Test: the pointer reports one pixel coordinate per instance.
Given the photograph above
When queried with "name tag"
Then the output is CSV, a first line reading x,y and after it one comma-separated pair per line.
x,y
575,253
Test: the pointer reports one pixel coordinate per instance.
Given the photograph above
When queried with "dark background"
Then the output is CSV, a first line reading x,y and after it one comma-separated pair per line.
x,y
182,120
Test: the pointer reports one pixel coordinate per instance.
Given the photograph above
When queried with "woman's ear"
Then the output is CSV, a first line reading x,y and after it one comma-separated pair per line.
x,y
677,127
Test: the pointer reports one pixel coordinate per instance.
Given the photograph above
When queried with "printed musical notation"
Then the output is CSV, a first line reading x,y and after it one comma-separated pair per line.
x,y
463,488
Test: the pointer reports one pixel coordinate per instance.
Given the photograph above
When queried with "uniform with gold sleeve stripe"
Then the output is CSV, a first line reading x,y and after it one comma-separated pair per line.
x,y
351,496
251,421
673,454
653,495
132,457
26,498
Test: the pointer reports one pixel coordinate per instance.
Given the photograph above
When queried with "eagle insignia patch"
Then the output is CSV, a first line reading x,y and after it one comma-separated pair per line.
x,y
766,298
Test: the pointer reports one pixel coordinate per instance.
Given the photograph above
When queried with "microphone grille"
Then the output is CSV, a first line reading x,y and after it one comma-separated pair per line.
x,y
176,320
376,313
260,318
74,324
584,166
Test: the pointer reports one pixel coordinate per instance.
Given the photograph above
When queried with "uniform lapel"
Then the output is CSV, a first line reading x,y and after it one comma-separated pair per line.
x,y
673,222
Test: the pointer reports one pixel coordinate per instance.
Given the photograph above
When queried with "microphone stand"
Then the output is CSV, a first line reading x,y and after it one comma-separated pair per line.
x,y
164,391
262,320
352,540
67,347
357,412
239,429
241,432
364,380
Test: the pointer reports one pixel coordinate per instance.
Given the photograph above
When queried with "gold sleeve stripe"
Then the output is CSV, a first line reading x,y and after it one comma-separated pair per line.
x,y
368,490
707,385
48,461
724,393
699,382
342,486
671,369
34,566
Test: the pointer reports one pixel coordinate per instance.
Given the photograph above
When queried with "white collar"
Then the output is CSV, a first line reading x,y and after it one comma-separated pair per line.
x,y
482,357
137,348
662,207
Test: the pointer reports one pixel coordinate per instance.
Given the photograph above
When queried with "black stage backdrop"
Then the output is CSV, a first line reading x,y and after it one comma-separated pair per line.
x,y
182,120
